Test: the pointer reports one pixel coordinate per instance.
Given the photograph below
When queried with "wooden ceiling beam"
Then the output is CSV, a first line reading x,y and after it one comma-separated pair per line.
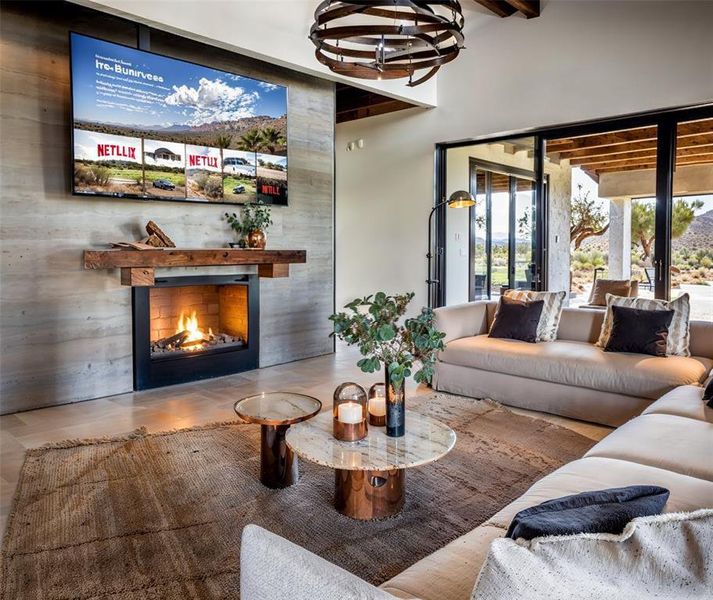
x,y
354,103
371,110
498,7
683,142
641,154
636,165
626,136
602,139
642,167
529,8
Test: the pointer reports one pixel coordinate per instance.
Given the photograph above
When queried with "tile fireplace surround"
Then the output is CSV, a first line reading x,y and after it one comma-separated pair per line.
x,y
191,328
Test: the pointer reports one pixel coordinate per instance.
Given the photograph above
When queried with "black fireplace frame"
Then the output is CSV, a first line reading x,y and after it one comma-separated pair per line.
x,y
193,366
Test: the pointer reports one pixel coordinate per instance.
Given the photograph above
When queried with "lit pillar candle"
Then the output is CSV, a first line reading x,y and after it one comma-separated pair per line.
x,y
349,412
377,406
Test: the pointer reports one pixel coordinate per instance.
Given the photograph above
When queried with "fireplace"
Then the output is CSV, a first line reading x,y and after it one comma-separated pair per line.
x,y
191,328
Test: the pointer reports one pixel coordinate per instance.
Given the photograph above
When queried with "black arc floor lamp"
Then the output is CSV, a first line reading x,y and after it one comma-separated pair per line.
x,y
459,199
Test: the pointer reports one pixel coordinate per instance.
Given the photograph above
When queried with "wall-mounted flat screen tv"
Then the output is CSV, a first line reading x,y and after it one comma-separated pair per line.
x,y
152,127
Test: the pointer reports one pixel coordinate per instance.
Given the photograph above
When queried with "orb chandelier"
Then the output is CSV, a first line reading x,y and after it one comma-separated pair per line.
x,y
387,39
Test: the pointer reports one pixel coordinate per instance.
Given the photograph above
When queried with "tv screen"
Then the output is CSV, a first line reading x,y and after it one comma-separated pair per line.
x,y
148,126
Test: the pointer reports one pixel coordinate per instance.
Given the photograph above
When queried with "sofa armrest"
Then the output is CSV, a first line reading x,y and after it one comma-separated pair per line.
x,y
462,320
272,568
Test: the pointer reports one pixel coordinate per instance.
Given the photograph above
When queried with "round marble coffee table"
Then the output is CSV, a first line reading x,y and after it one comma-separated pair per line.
x,y
370,475
275,412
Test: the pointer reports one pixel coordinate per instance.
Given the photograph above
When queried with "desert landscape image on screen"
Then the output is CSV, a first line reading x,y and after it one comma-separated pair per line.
x,y
149,126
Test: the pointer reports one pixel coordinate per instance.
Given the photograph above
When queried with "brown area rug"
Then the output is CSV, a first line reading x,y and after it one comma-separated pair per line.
x,y
160,515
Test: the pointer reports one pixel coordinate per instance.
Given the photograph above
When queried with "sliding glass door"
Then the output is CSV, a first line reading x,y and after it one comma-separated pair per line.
x,y
691,216
626,198
502,230
523,240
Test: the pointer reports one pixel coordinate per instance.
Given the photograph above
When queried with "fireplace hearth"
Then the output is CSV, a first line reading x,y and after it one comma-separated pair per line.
x,y
192,328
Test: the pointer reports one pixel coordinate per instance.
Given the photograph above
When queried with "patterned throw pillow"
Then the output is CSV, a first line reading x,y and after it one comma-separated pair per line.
x,y
678,334
551,310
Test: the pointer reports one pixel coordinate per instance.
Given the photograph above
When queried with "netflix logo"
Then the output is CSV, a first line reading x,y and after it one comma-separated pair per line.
x,y
116,151
198,160
269,190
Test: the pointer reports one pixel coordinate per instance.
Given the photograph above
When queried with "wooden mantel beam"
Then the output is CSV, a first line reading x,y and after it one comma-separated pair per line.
x,y
138,266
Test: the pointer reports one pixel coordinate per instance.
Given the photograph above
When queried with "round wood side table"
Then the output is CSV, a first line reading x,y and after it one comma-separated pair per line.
x,y
275,412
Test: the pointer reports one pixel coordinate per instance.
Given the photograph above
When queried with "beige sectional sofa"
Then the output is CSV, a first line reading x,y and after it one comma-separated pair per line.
x,y
670,445
569,376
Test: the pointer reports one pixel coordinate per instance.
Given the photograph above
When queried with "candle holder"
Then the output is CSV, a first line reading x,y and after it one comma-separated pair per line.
x,y
349,412
377,405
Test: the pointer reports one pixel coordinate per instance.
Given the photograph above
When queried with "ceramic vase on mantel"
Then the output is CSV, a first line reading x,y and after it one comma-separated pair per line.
x,y
395,407
257,239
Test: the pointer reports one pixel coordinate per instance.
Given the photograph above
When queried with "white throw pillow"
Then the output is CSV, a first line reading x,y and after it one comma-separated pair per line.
x,y
678,332
551,310
667,556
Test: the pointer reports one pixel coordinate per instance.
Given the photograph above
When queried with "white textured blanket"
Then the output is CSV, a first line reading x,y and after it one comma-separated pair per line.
x,y
667,556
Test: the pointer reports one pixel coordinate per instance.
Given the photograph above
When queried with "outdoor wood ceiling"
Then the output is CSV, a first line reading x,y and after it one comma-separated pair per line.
x,y
505,8
633,149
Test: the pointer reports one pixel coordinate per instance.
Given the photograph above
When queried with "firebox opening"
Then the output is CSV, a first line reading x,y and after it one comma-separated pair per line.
x,y
197,318
195,327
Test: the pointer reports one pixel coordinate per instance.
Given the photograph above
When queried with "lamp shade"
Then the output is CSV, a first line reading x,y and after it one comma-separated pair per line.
x,y
461,199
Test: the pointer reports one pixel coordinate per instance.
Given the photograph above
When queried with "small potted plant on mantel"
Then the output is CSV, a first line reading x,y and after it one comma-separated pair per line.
x,y
251,225
372,323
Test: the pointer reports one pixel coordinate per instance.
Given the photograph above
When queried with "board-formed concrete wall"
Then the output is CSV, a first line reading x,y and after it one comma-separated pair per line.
x,y
65,333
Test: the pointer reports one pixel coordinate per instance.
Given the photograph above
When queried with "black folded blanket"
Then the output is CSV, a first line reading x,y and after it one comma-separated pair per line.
x,y
708,394
602,511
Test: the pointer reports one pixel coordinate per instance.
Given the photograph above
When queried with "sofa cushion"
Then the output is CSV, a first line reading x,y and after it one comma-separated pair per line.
x,y
273,568
595,406
701,338
670,442
594,473
581,324
579,364
683,401
448,573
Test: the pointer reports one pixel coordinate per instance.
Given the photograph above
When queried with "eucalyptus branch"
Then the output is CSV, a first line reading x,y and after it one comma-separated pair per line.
x,y
374,323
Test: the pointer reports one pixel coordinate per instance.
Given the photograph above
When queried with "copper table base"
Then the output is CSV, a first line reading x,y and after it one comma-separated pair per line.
x,y
279,467
366,495
275,412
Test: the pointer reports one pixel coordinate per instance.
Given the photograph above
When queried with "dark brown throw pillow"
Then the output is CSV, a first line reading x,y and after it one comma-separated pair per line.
x,y
602,287
640,331
517,319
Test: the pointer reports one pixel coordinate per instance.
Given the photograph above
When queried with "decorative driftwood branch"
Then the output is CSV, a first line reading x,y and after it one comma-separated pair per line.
x,y
155,231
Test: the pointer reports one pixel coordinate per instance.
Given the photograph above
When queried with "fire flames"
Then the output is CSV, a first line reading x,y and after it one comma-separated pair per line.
x,y
190,325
